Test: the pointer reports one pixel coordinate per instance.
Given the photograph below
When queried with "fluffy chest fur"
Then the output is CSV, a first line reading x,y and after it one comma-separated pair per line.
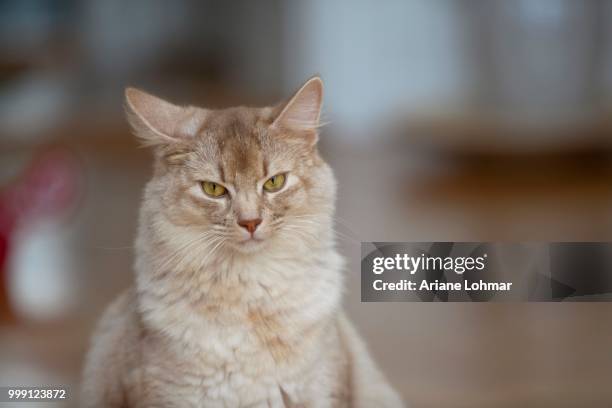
x,y
239,331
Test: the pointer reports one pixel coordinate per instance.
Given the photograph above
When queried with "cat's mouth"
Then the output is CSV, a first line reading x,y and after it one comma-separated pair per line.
x,y
251,244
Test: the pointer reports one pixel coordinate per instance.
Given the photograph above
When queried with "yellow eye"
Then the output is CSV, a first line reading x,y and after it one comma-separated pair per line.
x,y
213,189
274,183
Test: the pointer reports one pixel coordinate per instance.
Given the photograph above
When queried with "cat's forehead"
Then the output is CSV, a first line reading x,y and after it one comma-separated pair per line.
x,y
238,142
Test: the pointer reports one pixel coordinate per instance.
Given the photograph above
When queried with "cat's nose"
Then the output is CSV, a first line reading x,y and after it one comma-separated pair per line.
x,y
250,225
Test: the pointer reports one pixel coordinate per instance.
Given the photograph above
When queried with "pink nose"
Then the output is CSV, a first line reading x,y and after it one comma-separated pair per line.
x,y
250,225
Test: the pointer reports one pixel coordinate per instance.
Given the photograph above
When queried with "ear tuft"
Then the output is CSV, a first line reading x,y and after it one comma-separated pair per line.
x,y
303,110
152,119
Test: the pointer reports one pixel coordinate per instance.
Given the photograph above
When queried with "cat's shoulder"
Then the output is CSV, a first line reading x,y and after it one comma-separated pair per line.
x,y
122,308
120,322
113,347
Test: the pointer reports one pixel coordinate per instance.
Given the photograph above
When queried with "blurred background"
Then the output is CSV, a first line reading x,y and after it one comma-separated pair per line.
x,y
465,120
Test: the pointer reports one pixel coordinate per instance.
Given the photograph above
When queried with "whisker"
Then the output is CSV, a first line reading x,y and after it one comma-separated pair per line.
x,y
113,248
180,252
311,221
219,243
341,222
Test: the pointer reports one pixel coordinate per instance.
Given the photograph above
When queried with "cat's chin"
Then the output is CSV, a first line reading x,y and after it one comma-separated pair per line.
x,y
249,246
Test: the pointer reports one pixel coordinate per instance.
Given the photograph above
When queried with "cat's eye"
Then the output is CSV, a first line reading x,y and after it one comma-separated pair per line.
x,y
213,189
274,183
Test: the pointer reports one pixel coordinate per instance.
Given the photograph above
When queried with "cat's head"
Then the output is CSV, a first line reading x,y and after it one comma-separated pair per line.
x,y
241,177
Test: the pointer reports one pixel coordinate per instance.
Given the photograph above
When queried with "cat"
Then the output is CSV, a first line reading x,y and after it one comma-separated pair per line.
x,y
236,301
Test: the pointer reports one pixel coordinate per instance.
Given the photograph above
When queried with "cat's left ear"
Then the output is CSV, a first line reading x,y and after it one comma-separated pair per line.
x,y
303,111
155,121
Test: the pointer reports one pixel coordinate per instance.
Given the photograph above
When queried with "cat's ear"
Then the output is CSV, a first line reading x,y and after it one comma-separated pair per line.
x,y
154,120
303,110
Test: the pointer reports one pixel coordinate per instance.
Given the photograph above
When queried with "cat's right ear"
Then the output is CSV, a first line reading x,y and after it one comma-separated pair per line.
x,y
153,120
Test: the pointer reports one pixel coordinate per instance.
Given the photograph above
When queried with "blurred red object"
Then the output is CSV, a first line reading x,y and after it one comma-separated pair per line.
x,y
48,187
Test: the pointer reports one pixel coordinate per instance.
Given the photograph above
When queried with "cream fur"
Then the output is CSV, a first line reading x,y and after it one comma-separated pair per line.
x,y
206,325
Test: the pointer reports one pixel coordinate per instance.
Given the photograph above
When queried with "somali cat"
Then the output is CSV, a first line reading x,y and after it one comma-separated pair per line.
x,y
236,301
